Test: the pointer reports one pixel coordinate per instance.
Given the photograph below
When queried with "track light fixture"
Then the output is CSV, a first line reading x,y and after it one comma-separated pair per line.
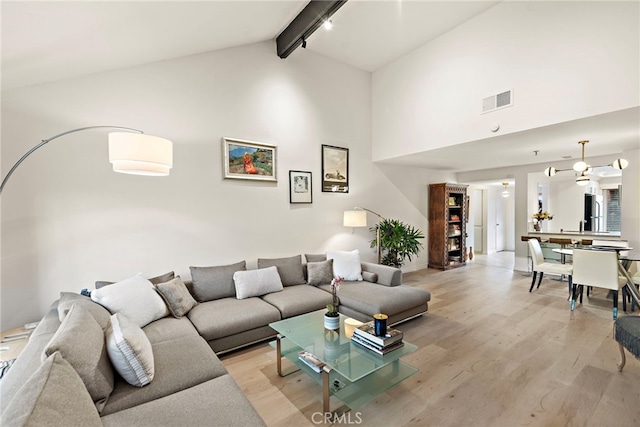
x,y
585,169
304,43
328,24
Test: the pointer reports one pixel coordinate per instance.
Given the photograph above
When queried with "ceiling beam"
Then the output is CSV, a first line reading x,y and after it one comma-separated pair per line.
x,y
305,24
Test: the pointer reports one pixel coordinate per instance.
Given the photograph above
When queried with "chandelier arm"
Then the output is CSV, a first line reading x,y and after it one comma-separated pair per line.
x,y
44,141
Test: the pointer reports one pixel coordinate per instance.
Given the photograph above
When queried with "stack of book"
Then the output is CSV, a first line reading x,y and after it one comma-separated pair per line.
x,y
365,336
311,361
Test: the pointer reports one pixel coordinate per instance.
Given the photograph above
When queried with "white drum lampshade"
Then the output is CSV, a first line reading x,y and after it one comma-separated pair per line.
x,y
140,154
355,219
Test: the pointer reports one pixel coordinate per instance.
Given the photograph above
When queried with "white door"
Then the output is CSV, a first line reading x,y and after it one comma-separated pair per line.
x,y
478,224
501,209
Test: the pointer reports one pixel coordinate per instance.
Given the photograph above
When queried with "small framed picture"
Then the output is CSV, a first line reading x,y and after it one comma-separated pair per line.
x,y
249,160
335,169
300,190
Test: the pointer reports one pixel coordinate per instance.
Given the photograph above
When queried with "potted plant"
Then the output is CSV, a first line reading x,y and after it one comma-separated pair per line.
x,y
332,317
398,241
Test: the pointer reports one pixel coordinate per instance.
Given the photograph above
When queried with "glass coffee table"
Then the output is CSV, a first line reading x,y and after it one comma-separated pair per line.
x,y
351,373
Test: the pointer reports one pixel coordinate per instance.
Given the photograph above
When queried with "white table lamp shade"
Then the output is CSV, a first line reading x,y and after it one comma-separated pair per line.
x,y
355,219
140,154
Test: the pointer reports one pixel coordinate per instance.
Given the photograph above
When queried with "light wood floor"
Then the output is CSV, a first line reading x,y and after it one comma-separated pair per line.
x,y
490,354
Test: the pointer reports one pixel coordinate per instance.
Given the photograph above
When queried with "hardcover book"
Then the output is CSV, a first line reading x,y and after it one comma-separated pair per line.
x,y
311,361
377,350
367,331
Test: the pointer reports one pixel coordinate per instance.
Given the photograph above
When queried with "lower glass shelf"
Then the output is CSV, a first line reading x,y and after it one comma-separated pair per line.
x,y
352,394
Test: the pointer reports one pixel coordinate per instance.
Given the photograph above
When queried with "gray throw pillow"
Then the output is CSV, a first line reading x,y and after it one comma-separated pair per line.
x,y
315,257
67,299
54,395
155,280
320,273
289,269
211,283
177,296
80,340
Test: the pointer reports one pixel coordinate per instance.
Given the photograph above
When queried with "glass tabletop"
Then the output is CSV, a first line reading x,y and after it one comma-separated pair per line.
x,y
333,347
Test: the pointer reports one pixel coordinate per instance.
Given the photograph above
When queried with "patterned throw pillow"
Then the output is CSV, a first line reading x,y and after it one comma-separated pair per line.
x,y
177,296
320,273
130,351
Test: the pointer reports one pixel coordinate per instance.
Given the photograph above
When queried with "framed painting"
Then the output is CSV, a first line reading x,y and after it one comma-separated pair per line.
x,y
335,169
249,160
300,190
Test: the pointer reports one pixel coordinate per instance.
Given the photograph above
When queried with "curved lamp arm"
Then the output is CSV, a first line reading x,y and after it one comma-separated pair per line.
x,y
368,210
44,141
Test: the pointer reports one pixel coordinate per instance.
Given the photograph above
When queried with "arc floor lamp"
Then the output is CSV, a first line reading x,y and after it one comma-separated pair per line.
x,y
131,152
358,218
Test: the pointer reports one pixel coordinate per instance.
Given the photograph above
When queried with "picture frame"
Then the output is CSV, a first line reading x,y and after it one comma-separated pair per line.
x,y
249,160
335,169
300,187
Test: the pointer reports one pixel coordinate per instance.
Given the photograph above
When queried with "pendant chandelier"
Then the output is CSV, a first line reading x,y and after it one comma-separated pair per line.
x,y
585,169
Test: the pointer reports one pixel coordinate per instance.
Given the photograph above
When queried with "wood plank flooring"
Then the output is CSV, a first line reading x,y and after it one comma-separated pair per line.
x,y
490,354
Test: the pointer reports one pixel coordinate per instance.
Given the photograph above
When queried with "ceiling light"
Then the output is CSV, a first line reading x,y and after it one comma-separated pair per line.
x,y
328,24
584,169
582,180
620,164
581,166
505,193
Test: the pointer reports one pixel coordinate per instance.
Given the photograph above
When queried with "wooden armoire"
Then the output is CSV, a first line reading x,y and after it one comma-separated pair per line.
x,y
448,210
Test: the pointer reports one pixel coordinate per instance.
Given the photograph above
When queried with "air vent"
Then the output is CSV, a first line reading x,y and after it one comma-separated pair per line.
x,y
496,102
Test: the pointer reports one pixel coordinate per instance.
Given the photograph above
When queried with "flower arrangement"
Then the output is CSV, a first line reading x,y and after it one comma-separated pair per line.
x,y
332,309
539,216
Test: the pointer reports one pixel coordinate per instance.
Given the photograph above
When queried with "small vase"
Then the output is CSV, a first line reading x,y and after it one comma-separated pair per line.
x,y
332,322
536,227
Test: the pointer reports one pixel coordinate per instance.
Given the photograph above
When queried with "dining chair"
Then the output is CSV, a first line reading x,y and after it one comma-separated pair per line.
x,y
613,243
626,331
541,266
597,269
563,242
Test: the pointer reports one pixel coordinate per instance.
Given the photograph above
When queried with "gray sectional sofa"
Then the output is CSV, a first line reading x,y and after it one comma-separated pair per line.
x,y
190,385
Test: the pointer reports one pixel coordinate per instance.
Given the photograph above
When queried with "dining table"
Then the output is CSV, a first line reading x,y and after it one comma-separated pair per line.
x,y
624,263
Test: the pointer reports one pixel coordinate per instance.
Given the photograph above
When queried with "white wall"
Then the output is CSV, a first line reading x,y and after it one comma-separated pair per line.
x,y
553,56
68,220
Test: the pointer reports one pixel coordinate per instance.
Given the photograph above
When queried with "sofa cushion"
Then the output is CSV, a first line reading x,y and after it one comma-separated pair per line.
x,y
320,273
67,299
211,283
129,350
289,269
155,280
229,316
315,257
179,364
169,328
80,340
134,297
254,283
177,297
369,276
295,300
53,395
216,402
346,264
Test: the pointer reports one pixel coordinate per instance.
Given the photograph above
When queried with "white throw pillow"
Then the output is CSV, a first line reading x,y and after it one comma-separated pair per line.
x,y
346,264
129,350
135,297
253,283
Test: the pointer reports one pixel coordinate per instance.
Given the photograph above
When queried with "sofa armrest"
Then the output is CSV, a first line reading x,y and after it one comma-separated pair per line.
x,y
387,276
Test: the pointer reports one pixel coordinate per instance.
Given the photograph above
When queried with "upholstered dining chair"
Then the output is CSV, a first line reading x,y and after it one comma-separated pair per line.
x,y
540,266
597,269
